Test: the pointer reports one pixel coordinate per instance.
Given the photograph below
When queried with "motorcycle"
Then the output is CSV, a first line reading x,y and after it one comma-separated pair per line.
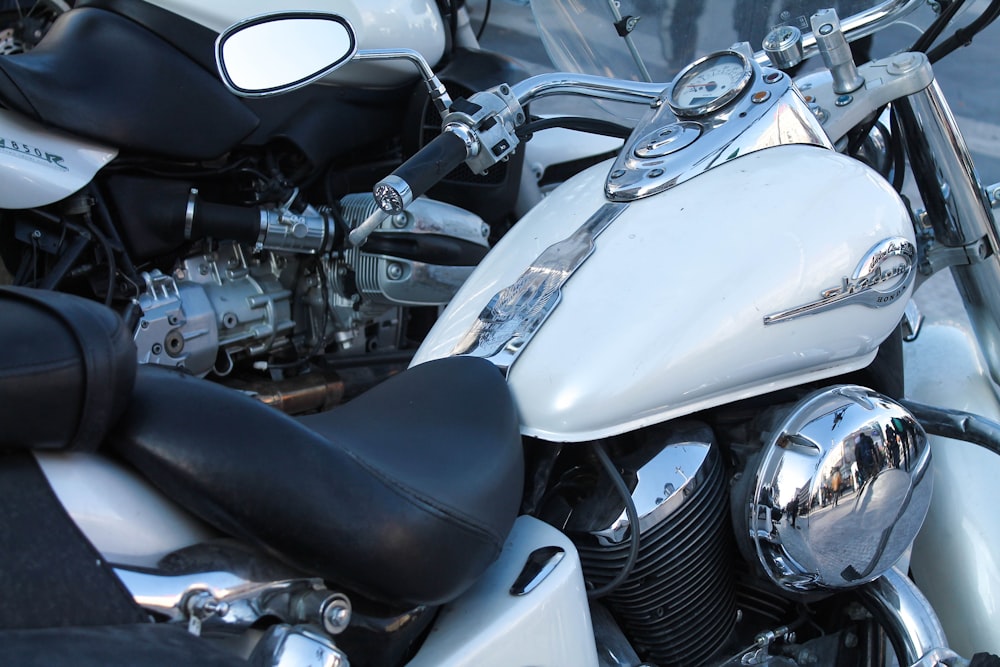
x,y
745,478
217,225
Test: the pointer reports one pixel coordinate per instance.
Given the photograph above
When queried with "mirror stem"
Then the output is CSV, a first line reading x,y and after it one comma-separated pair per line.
x,y
436,90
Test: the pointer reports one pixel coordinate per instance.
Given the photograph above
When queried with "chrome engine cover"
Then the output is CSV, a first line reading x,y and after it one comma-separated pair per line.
x,y
211,303
840,491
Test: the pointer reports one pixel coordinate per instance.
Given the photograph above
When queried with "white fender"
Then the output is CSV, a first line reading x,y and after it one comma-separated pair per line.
x,y
956,556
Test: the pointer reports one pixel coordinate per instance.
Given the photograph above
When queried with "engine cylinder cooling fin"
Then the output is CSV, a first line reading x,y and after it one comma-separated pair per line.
x,y
678,605
419,257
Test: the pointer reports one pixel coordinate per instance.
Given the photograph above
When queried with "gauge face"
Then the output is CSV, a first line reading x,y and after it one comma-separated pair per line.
x,y
710,83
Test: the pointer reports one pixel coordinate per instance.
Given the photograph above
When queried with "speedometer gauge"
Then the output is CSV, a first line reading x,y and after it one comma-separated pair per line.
x,y
710,83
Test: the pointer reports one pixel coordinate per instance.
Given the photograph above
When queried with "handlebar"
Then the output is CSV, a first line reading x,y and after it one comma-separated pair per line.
x,y
422,171
417,175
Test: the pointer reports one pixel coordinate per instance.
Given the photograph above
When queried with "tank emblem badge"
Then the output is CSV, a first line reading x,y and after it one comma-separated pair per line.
x,y
881,278
26,151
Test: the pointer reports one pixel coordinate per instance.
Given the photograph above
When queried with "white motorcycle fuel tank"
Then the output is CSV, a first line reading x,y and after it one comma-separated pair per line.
x,y
379,24
786,265
39,166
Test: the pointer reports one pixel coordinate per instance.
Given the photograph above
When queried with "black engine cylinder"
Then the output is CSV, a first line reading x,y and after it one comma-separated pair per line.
x,y
678,605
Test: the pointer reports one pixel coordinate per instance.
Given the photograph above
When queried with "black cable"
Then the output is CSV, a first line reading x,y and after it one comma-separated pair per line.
x,y
898,151
486,19
453,23
633,524
956,424
589,125
934,30
108,226
963,36
109,254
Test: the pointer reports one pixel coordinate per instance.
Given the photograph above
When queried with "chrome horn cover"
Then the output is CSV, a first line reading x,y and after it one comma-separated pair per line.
x,y
840,492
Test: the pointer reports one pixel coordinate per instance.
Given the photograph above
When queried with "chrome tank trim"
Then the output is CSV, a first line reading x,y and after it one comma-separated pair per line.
x,y
841,490
515,313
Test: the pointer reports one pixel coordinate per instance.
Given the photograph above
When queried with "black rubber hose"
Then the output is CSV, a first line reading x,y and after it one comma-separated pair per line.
x,y
222,221
633,524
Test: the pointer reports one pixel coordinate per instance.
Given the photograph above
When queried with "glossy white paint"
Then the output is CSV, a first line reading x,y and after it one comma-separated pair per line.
x,y
666,317
123,516
956,557
380,24
487,626
39,166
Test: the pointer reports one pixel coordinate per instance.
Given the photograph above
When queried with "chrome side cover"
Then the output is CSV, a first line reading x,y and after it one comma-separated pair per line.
x,y
840,492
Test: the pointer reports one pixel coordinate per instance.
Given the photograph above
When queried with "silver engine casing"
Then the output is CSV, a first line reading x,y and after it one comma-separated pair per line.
x,y
230,303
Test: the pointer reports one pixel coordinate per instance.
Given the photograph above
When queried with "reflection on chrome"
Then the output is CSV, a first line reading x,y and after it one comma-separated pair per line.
x,y
840,492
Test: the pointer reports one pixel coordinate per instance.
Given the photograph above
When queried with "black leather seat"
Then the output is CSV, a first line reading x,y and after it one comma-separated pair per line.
x,y
99,75
67,366
406,494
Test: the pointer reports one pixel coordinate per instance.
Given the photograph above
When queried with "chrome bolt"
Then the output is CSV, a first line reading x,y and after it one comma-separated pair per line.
x,y
157,348
394,271
399,221
336,613
203,604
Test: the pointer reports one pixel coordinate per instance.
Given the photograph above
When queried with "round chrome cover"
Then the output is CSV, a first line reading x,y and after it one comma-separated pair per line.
x,y
710,83
840,492
667,140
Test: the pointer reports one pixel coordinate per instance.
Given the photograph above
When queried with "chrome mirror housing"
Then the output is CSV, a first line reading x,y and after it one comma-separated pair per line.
x,y
280,52
840,491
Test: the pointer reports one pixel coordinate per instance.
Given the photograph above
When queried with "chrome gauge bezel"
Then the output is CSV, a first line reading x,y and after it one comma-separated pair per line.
x,y
699,67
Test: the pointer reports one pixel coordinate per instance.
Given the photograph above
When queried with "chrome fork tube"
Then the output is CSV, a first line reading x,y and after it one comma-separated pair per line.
x,y
958,209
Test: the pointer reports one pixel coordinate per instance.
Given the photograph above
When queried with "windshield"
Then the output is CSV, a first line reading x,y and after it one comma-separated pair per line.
x,y
581,36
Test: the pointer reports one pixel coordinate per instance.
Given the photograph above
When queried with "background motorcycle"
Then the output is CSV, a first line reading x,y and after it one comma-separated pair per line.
x,y
216,225
757,451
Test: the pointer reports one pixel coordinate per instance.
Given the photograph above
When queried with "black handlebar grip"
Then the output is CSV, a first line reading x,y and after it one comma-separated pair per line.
x,y
421,172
